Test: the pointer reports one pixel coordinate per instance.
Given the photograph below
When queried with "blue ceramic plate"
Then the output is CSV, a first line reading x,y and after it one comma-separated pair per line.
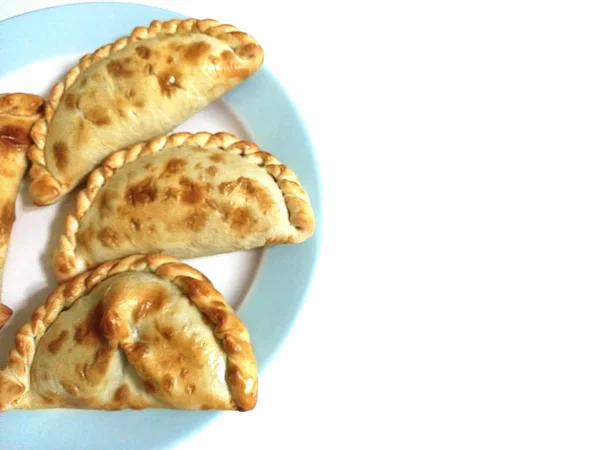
x,y
285,272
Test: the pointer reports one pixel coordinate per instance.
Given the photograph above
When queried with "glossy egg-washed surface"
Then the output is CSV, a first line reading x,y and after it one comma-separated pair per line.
x,y
142,91
183,201
18,112
135,341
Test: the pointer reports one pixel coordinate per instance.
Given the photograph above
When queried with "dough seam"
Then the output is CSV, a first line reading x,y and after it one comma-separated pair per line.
x,y
297,201
241,43
227,327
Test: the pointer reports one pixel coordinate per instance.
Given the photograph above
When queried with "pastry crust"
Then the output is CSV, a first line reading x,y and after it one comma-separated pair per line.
x,y
126,300
18,112
132,90
185,195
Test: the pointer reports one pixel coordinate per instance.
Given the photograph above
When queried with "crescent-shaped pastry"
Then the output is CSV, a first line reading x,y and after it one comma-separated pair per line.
x,y
133,90
184,195
141,332
18,113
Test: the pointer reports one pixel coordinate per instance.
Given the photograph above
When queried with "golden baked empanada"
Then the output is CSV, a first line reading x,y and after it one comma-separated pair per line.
x,y
141,332
133,90
18,113
184,195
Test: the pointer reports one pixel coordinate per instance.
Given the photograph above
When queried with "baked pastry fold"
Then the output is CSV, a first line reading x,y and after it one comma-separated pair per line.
x,y
18,113
185,195
140,332
133,90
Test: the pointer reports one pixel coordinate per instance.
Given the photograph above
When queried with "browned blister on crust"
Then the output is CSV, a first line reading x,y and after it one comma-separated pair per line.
x,y
185,195
132,90
18,113
183,346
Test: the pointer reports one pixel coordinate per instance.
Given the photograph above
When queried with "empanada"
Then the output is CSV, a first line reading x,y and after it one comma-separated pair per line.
x,y
133,90
141,332
184,195
18,113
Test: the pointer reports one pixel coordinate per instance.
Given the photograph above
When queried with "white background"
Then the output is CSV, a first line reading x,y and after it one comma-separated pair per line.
x,y
457,299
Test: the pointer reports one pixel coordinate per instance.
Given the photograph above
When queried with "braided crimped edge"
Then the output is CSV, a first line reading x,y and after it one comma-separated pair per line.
x,y
48,188
20,104
242,374
301,216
